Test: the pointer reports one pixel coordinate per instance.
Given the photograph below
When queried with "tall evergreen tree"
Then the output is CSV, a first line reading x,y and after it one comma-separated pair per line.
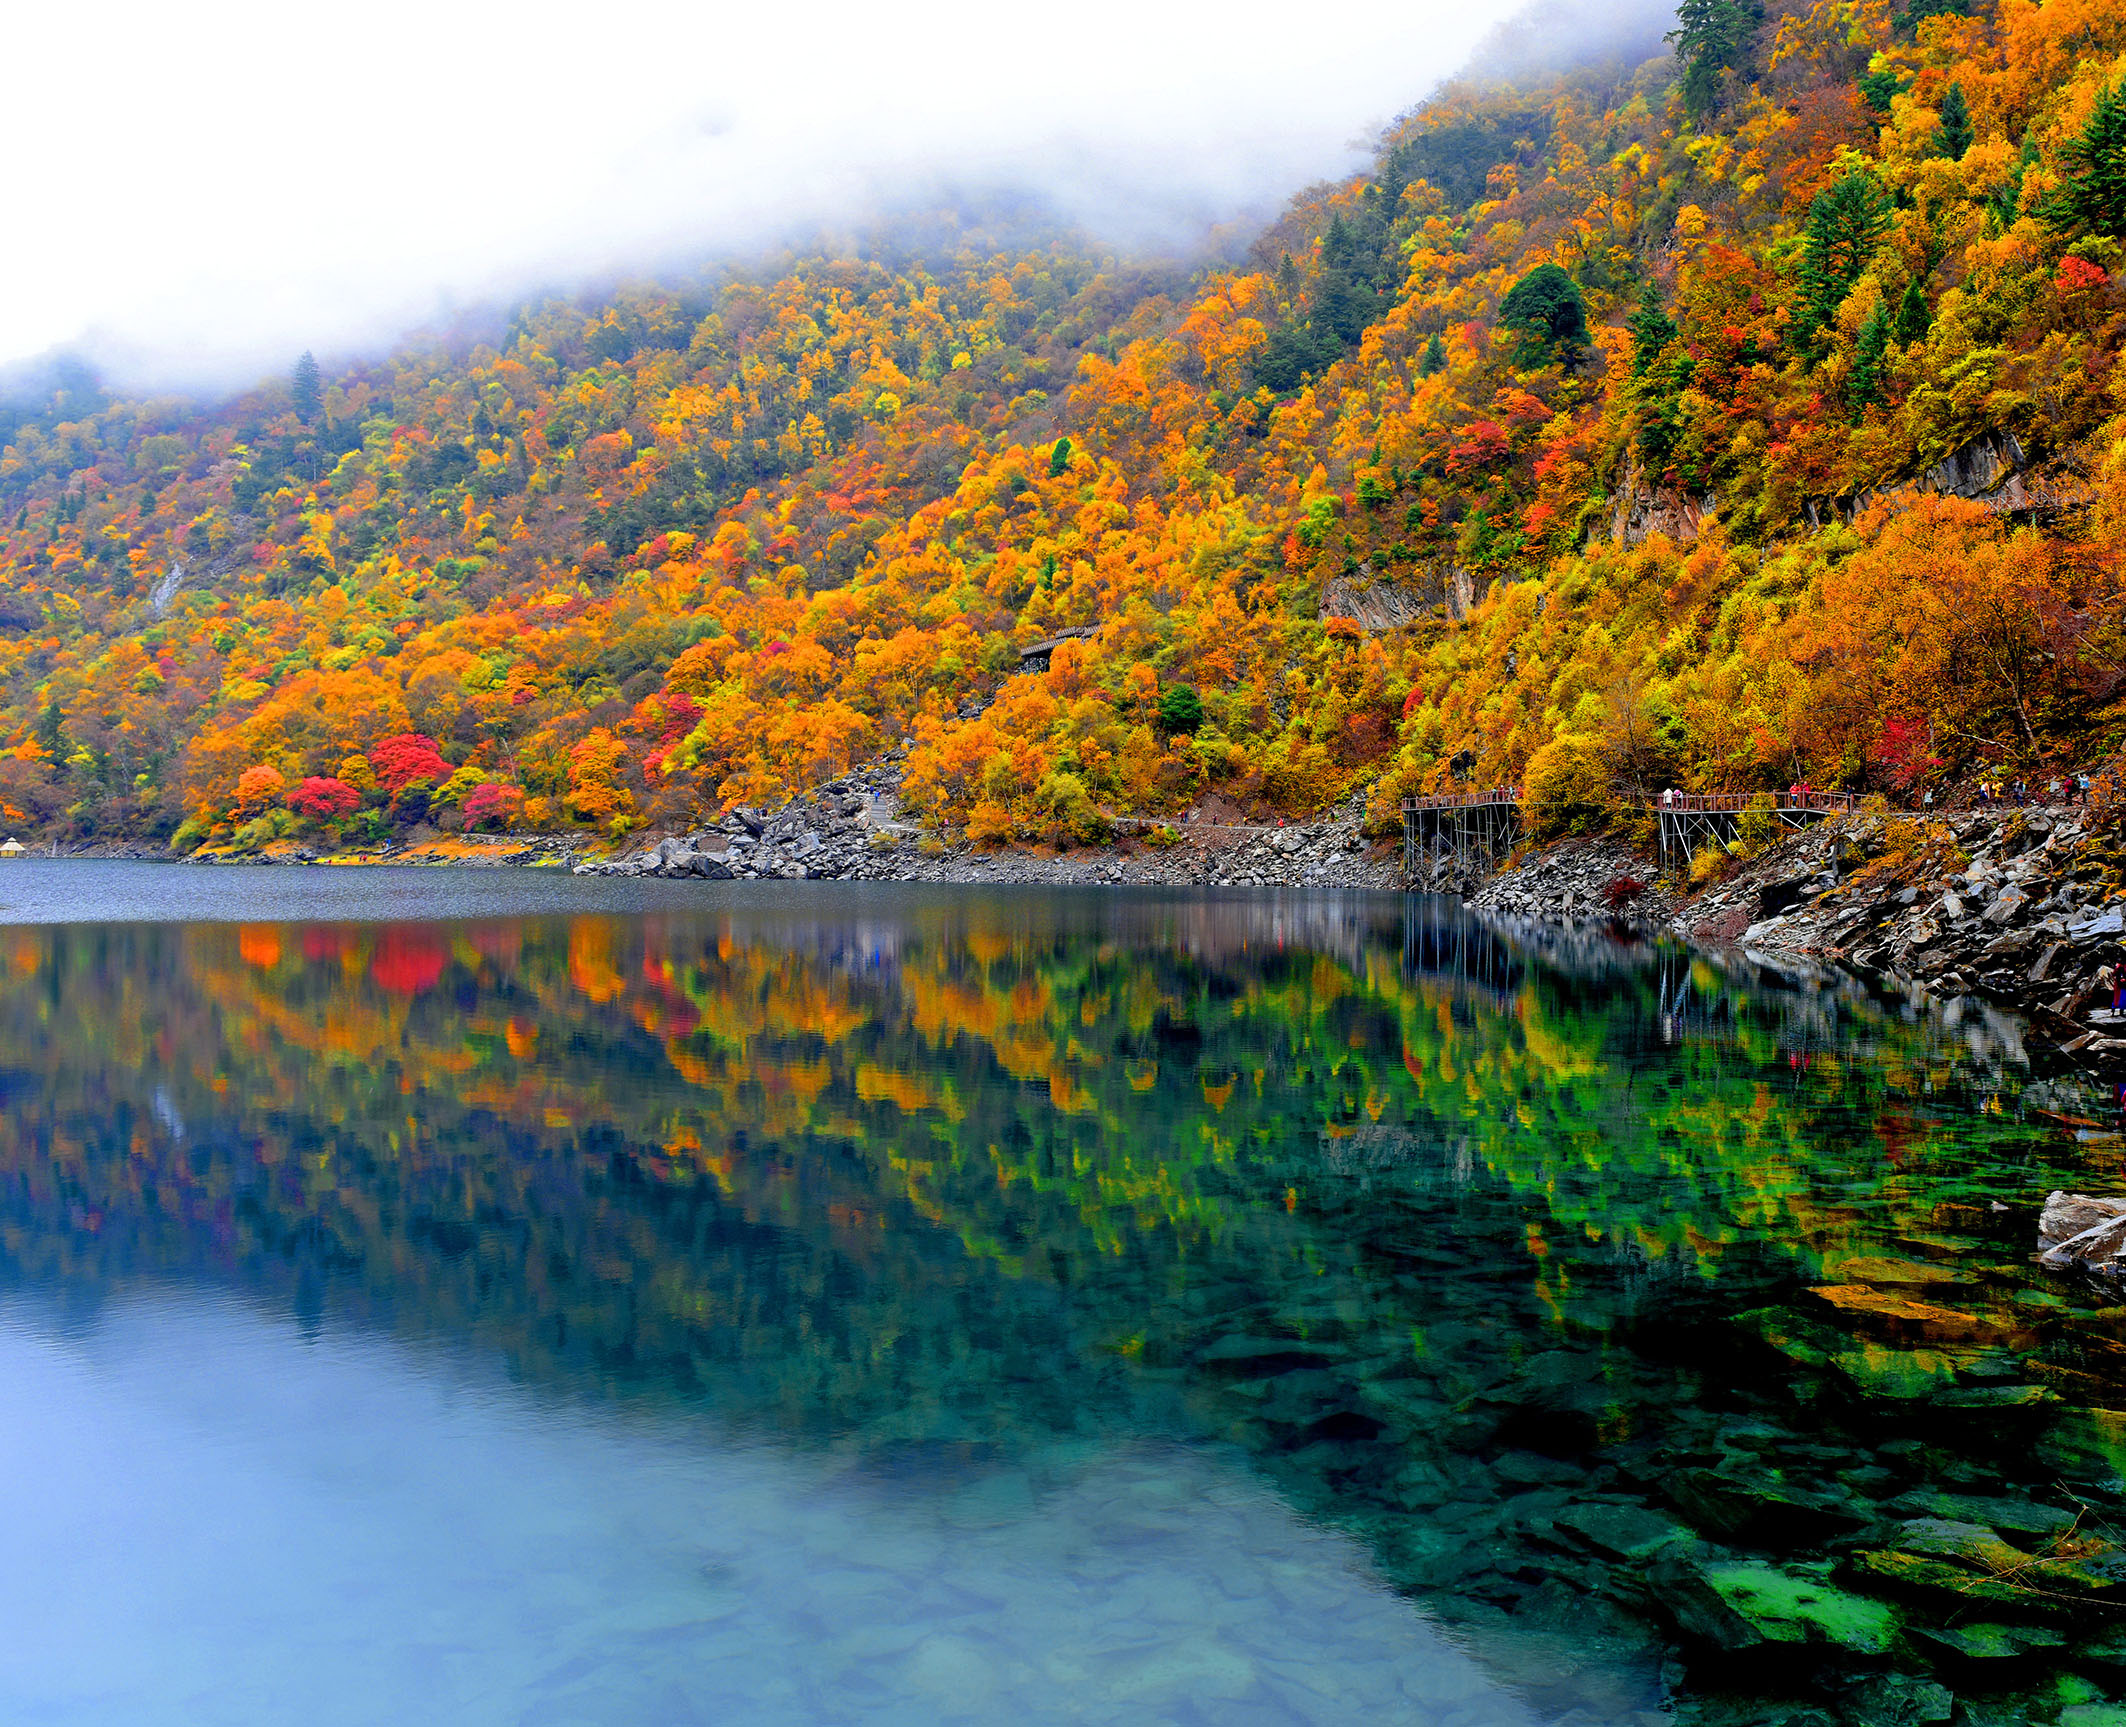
x,y
1955,135
1345,299
1710,37
1870,362
1652,329
1434,358
1545,308
2094,196
1916,12
1845,226
1914,316
1879,89
1661,370
306,388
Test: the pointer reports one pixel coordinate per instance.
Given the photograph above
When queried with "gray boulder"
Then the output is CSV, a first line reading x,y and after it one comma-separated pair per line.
x,y
2078,1230
2008,907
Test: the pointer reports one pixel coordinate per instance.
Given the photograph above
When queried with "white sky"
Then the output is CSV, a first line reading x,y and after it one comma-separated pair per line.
x,y
202,191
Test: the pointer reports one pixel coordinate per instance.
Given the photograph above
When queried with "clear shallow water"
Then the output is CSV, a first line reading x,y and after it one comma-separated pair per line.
x,y
809,1304
233,1523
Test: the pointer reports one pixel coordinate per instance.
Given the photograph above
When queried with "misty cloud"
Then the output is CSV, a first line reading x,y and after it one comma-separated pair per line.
x,y
224,185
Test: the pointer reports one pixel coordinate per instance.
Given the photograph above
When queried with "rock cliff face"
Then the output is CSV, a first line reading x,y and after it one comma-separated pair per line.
x,y
1377,602
1990,469
1637,511
1994,469
1374,603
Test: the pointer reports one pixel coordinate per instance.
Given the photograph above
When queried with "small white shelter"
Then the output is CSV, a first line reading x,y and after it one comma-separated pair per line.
x,y
11,847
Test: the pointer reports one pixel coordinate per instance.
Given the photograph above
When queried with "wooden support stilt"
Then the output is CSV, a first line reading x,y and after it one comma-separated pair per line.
x,y
1478,829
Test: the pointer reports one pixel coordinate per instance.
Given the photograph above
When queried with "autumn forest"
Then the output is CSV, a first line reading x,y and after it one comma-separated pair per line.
x,y
1744,411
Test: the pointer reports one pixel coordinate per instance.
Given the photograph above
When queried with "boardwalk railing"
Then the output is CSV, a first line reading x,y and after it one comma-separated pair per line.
x,y
1478,827
1734,803
1464,800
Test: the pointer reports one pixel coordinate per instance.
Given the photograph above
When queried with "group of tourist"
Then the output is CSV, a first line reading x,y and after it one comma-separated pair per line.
x,y
2065,789
1994,794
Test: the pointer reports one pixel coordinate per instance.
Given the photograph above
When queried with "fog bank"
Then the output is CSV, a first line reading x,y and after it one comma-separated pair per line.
x,y
254,180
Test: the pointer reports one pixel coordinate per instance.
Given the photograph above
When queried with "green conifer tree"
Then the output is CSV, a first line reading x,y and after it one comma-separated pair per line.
x,y
1870,362
1434,358
1180,709
2094,196
1845,225
1544,307
1879,89
306,388
1652,329
1661,370
1059,458
1710,37
1955,135
1914,316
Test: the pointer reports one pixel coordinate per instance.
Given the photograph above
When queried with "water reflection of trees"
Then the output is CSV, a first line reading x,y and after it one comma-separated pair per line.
x,y
1032,1086
1319,1178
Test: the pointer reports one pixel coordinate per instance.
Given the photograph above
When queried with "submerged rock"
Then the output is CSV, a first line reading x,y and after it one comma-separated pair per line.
x,y
1899,1700
1628,1532
2078,1230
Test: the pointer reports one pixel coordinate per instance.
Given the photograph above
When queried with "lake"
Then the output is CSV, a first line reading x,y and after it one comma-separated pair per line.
x,y
502,1297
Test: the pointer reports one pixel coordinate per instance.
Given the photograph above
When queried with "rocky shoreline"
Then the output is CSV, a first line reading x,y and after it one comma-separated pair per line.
x,y
2022,909
855,829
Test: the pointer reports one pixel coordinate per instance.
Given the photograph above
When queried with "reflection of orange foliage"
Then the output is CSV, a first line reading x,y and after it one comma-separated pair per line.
x,y
260,945
408,960
522,1037
590,959
1067,1095
877,1084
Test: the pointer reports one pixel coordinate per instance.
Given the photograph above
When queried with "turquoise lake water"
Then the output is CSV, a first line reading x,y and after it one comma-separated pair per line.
x,y
508,1298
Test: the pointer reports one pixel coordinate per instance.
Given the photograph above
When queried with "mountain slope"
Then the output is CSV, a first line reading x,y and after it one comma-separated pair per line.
x,y
1608,436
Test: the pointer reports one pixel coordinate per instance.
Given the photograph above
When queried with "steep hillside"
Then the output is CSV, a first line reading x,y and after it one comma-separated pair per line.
x,y
1744,415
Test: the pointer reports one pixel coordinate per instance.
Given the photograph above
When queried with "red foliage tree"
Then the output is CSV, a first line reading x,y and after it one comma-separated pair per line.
x,y
1904,753
324,800
493,803
409,756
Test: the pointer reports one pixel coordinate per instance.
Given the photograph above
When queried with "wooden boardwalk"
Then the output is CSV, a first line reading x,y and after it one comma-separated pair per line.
x,y
1692,820
1471,827
1481,827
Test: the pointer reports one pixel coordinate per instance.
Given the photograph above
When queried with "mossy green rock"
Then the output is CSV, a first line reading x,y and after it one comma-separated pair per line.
x,y
1796,1607
1990,1642
1968,1544
1915,1571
